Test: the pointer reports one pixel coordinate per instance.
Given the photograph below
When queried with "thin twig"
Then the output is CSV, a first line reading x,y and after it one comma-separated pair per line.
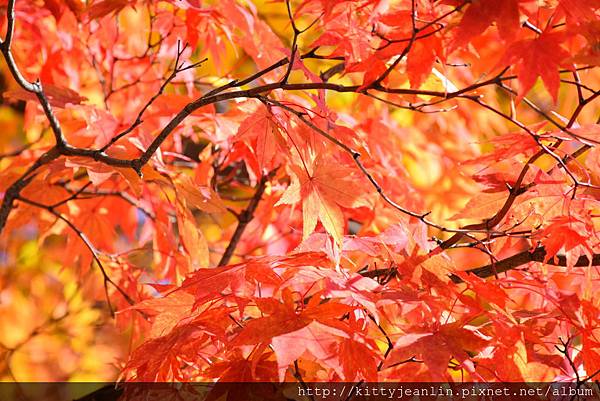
x,y
89,246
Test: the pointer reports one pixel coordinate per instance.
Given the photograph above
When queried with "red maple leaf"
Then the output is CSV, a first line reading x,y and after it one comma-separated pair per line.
x,y
539,57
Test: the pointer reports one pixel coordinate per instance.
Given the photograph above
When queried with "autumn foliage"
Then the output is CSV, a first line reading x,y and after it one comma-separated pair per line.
x,y
311,190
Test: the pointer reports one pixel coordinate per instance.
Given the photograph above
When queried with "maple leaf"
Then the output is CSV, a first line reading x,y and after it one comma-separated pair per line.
x,y
589,54
318,339
167,311
358,360
396,27
94,218
590,343
579,12
373,67
323,187
261,132
56,7
240,280
347,36
325,339
565,232
283,318
204,25
354,290
258,368
421,59
316,329
479,207
481,14
485,290
392,240
509,145
99,9
255,35
539,57
159,358
437,347
191,236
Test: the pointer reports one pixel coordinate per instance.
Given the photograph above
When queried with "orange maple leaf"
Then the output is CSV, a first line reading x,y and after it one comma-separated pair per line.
x,y
323,187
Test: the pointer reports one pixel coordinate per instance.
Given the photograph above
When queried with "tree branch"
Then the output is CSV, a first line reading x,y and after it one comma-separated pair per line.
x,y
244,218
504,265
519,259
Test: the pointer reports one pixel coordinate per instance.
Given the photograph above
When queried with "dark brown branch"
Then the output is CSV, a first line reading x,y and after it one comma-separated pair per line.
x,y
215,97
504,265
331,71
567,354
296,32
244,218
5,47
12,192
519,259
